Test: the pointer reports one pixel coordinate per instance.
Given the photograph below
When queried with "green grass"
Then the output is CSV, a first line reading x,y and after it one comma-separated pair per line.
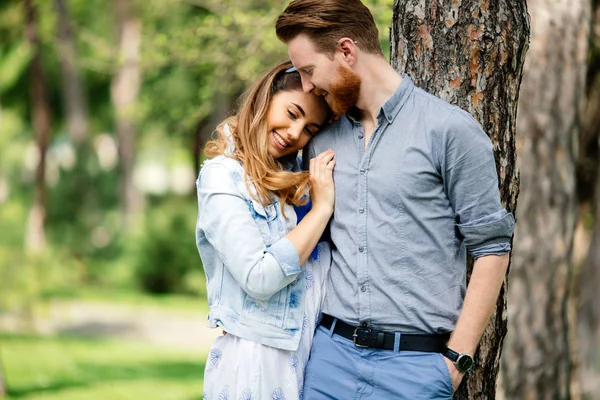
x,y
66,368
131,298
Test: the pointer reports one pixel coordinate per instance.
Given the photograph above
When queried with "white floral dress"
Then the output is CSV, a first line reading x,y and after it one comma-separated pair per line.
x,y
238,369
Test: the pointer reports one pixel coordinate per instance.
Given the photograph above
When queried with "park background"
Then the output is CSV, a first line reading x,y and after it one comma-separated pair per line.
x,y
105,106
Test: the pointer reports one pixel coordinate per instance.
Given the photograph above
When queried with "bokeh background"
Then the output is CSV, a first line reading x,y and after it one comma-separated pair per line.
x,y
105,106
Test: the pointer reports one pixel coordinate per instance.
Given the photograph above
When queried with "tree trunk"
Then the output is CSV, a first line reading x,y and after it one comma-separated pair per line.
x,y
76,113
40,111
124,92
588,306
471,54
589,147
588,312
537,360
75,101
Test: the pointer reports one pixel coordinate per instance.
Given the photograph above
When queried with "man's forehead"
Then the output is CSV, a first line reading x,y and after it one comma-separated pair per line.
x,y
301,47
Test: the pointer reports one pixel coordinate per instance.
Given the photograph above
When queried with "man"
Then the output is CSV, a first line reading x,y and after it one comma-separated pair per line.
x,y
416,188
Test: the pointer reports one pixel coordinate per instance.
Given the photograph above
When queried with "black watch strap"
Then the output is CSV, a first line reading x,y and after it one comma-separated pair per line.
x,y
451,354
463,362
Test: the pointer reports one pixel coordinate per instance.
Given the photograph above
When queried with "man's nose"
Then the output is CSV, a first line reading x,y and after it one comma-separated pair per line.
x,y
307,86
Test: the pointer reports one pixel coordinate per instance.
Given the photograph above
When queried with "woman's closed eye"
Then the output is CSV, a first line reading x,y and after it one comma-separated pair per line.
x,y
309,131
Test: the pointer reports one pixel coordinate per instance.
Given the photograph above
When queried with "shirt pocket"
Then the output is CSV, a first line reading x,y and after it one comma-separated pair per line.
x,y
265,218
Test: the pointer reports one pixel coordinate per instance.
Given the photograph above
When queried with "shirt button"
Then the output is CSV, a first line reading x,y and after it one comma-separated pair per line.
x,y
361,249
363,289
361,210
362,171
360,136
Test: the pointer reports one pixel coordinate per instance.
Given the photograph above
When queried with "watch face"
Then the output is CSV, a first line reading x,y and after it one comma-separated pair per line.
x,y
464,363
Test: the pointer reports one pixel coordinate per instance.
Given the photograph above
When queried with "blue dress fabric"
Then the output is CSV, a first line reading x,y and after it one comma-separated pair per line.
x,y
301,212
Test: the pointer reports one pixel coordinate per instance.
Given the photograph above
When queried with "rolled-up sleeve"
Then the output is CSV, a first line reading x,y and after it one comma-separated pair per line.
x,y
488,235
227,222
471,182
286,255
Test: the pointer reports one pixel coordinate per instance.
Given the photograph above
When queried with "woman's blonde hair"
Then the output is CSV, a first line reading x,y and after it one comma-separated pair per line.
x,y
248,130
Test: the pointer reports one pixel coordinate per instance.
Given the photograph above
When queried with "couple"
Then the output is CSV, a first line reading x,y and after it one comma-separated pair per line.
x,y
383,291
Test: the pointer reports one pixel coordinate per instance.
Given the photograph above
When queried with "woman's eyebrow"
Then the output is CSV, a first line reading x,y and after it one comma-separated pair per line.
x,y
301,109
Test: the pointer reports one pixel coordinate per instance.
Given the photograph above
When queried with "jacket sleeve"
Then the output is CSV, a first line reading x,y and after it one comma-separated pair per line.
x,y
225,218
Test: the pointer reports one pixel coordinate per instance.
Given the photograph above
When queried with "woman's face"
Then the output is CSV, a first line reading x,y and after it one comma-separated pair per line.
x,y
293,118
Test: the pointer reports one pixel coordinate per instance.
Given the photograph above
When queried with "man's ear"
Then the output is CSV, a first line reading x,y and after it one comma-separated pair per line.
x,y
348,50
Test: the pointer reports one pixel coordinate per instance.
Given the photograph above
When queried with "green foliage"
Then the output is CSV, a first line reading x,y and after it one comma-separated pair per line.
x,y
166,252
80,205
74,369
25,278
13,64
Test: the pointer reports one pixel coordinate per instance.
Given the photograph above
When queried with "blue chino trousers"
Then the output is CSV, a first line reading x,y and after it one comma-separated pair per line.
x,y
339,370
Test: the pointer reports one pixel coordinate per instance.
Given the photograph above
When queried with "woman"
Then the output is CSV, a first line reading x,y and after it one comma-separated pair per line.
x,y
264,287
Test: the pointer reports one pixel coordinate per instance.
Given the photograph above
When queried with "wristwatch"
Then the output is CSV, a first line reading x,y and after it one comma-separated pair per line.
x,y
463,362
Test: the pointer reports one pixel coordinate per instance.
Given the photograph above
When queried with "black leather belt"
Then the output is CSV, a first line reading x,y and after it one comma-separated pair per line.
x,y
369,338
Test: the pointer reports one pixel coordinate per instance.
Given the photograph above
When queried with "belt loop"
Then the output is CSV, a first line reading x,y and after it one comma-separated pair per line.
x,y
397,341
332,327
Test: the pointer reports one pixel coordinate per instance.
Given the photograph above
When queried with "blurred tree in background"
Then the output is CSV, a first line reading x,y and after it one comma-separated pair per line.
x,y
587,274
537,350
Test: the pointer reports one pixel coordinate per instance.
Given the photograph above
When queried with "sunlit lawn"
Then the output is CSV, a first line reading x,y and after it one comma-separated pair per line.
x,y
83,369
132,298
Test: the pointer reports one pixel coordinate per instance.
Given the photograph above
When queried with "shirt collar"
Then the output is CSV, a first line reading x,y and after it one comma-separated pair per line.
x,y
392,107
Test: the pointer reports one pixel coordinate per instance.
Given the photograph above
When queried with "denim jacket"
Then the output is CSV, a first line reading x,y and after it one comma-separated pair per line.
x,y
255,285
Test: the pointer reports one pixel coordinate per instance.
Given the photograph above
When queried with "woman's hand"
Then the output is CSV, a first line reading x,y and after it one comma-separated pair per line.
x,y
306,234
322,191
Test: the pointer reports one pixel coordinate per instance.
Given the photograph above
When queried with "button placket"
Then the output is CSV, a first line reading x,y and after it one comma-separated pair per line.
x,y
364,306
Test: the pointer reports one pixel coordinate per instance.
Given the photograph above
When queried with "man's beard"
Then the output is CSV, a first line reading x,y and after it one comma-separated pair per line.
x,y
344,91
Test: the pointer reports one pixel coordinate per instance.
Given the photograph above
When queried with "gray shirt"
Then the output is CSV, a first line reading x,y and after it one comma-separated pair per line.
x,y
407,210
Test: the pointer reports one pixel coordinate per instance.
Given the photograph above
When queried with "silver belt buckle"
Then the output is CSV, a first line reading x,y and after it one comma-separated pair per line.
x,y
355,335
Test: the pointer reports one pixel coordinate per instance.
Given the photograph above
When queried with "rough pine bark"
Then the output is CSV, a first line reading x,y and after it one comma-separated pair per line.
x,y
35,239
124,93
471,54
588,312
588,306
537,360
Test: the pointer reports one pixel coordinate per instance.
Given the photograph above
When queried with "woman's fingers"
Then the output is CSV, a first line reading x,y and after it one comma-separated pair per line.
x,y
319,167
330,166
